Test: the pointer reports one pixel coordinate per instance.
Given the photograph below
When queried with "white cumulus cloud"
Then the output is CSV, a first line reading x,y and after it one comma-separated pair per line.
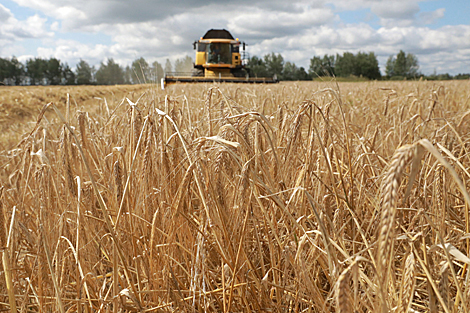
x,y
12,31
298,29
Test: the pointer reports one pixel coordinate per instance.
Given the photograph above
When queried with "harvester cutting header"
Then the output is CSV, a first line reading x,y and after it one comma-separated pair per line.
x,y
218,59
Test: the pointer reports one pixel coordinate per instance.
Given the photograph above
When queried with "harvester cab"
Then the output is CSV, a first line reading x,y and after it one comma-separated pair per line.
x,y
218,59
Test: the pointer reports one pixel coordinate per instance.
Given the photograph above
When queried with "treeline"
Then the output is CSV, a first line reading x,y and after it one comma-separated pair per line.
x,y
406,66
273,64
39,71
346,65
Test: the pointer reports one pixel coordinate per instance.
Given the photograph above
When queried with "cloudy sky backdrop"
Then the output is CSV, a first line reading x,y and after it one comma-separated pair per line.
x,y
437,31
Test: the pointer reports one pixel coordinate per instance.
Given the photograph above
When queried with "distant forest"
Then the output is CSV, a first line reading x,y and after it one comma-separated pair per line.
x,y
360,66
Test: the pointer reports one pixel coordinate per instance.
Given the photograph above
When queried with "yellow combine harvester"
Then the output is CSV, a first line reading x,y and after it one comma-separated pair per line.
x,y
218,59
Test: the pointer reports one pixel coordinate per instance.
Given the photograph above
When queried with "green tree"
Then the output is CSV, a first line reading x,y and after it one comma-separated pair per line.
x,y
403,65
412,65
156,72
322,66
302,74
462,76
84,73
110,73
292,72
4,74
389,66
274,64
184,65
329,64
168,66
345,64
128,75
35,70
68,76
399,68
53,72
11,71
315,68
256,67
140,71
367,65
16,71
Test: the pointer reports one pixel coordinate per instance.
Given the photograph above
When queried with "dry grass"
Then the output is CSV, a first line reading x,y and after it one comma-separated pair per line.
x,y
297,197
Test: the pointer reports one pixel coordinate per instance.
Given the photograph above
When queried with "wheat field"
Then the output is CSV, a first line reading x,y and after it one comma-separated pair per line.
x,y
294,197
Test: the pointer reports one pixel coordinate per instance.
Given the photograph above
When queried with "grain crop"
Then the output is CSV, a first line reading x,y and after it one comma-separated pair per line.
x,y
293,197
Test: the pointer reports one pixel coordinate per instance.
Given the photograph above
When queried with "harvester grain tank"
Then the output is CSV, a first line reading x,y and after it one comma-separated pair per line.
x,y
218,59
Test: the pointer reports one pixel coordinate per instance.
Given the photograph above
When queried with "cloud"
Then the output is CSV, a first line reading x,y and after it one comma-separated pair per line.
x,y
71,51
13,31
403,9
5,14
393,13
444,49
396,13
88,13
33,27
299,29
423,40
427,18
55,26
259,23
431,46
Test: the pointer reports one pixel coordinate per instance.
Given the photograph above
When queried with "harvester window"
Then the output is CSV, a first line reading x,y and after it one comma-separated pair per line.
x,y
219,53
201,47
236,48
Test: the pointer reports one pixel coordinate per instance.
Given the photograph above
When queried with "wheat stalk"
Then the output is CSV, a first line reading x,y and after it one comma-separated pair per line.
x,y
6,256
3,231
444,283
386,228
117,170
67,167
213,221
408,283
390,186
342,292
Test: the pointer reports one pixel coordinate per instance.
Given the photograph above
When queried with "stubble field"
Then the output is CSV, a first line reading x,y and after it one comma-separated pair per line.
x,y
294,197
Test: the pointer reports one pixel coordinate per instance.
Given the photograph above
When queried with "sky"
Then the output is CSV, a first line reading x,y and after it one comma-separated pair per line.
x,y
436,31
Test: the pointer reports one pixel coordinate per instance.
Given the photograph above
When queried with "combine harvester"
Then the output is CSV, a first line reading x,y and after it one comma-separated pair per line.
x,y
218,59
